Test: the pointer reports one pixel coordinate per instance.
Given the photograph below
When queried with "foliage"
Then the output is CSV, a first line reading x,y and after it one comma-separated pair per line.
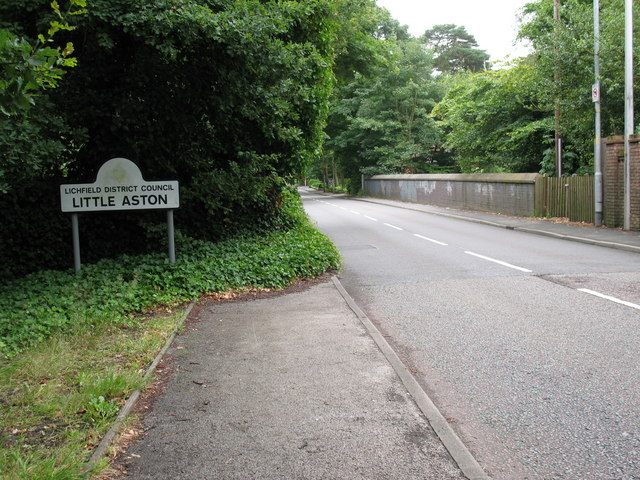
x,y
27,66
49,302
243,82
228,97
381,121
455,50
494,122
61,396
563,61
361,39
32,148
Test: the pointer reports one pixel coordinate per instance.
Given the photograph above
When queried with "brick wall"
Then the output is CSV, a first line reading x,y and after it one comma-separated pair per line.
x,y
613,182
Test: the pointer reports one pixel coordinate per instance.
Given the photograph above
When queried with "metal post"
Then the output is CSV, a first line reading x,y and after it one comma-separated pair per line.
x,y
628,110
556,79
75,231
597,149
171,237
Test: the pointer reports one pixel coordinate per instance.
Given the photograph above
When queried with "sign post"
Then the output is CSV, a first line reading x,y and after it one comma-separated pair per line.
x,y
119,186
171,237
75,231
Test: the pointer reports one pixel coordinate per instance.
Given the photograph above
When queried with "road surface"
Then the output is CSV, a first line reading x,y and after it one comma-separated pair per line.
x,y
528,345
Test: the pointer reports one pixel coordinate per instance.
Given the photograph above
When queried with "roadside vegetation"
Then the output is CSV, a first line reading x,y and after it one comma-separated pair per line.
x,y
253,96
433,103
74,347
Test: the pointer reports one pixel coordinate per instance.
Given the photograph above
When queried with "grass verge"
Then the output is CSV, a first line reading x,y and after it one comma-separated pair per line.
x,y
74,347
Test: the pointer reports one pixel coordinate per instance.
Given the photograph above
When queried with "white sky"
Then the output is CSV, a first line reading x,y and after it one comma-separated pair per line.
x,y
493,23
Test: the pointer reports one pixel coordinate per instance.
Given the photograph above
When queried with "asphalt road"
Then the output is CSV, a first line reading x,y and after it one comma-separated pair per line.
x,y
528,345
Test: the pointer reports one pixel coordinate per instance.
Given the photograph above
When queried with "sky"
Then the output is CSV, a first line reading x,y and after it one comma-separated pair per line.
x,y
493,23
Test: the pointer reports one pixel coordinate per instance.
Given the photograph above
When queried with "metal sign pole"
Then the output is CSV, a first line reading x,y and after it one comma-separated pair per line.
x,y
76,242
597,163
628,112
119,186
171,237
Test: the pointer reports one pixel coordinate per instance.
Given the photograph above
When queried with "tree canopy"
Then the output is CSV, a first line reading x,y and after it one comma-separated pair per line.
x,y
228,97
563,55
494,121
455,50
235,98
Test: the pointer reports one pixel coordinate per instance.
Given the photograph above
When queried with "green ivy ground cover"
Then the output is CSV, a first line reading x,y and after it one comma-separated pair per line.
x,y
74,347
46,303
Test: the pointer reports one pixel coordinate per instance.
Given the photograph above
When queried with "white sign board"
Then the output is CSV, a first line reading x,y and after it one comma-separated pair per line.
x,y
119,186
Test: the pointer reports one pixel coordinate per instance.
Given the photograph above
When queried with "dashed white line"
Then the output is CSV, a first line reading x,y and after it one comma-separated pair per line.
x,y
499,262
431,240
611,299
355,213
393,226
371,218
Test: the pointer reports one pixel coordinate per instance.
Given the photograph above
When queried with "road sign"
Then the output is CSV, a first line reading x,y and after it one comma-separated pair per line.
x,y
119,186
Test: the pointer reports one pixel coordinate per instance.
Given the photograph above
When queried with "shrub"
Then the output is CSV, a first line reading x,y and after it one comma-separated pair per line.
x,y
42,304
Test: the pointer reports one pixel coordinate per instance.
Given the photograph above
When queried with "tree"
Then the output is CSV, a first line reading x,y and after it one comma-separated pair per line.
x,y
381,123
563,66
494,121
455,50
28,66
229,97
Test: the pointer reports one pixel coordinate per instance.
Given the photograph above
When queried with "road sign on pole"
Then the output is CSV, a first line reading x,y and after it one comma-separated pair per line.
x,y
119,186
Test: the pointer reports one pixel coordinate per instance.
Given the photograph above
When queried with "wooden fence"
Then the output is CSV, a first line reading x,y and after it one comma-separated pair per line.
x,y
567,197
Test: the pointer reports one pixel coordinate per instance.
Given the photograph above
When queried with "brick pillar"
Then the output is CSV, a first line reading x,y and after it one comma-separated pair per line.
x,y
634,219
613,182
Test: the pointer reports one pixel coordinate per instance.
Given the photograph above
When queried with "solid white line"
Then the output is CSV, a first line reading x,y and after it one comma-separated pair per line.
x,y
499,262
430,240
393,226
607,297
371,218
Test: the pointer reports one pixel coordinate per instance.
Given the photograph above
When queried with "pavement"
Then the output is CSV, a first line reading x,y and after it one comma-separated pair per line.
x,y
290,386
301,385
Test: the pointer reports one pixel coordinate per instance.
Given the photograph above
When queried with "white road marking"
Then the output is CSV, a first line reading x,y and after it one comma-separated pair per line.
x,y
354,212
393,226
430,240
607,297
371,218
499,262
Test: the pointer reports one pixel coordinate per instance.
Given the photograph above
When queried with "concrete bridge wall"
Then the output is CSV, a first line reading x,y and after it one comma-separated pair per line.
x,y
509,194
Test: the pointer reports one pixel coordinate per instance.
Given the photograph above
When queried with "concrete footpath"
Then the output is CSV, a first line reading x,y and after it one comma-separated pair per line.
x,y
292,386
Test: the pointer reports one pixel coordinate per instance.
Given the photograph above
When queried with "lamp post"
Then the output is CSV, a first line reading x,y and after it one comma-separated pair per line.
x,y
628,109
597,147
558,137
